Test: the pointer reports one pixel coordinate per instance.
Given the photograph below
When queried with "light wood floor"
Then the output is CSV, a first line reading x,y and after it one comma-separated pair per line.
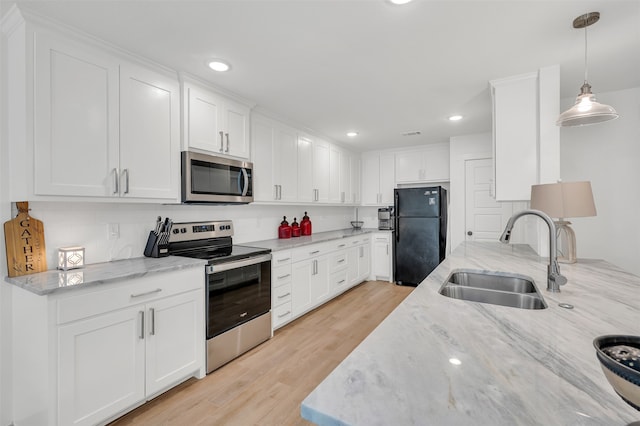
x,y
266,385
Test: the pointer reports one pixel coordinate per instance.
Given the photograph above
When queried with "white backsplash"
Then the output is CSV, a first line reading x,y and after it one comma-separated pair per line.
x,y
87,224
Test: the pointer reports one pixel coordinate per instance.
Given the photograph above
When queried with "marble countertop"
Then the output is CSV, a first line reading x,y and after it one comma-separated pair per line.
x,y
55,281
517,366
290,243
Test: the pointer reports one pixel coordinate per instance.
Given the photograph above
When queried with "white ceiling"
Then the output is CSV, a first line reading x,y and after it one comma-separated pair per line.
x,y
366,65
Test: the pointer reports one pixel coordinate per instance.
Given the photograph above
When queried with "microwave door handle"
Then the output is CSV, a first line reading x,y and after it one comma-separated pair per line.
x,y
245,188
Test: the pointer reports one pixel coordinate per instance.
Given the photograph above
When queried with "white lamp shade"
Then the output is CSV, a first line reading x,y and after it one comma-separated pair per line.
x,y
564,199
70,258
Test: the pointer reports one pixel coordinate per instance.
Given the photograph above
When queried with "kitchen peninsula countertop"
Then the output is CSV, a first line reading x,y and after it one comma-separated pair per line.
x,y
517,366
54,280
291,243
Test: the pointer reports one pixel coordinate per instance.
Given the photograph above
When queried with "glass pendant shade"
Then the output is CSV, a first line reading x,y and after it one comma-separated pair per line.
x,y
586,110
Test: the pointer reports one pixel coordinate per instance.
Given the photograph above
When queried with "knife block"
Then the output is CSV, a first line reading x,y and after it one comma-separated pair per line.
x,y
154,247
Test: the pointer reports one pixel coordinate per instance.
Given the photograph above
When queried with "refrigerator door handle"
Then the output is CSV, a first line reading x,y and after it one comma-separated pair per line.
x,y
396,210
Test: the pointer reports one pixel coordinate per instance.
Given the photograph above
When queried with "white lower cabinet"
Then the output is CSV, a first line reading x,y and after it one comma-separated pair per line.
x,y
307,277
100,352
382,256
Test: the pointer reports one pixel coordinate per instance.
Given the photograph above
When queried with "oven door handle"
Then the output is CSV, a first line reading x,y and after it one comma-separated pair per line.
x,y
213,269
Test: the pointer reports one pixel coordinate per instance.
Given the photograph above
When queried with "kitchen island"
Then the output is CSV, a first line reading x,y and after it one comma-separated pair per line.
x,y
441,361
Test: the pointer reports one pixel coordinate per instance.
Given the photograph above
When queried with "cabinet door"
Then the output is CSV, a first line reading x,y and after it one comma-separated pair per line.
x,y
301,287
100,366
352,262
335,195
76,125
265,160
370,179
381,257
320,289
387,178
321,167
175,339
344,188
149,134
203,120
305,169
409,167
364,262
435,164
286,163
236,136
355,180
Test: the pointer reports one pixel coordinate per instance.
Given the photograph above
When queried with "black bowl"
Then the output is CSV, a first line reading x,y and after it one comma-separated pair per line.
x,y
618,356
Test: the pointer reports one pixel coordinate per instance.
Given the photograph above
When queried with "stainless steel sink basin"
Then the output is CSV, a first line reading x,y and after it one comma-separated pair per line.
x,y
493,281
496,288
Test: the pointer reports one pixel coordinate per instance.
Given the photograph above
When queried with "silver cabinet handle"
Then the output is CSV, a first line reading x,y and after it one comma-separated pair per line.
x,y
227,136
279,192
146,293
342,197
125,173
387,249
284,315
314,252
341,260
116,188
286,259
284,295
221,140
152,313
341,245
341,281
284,276
141,315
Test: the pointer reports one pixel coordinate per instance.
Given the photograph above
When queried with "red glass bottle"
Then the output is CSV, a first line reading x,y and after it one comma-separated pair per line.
x,y
305,225
284,230
295,228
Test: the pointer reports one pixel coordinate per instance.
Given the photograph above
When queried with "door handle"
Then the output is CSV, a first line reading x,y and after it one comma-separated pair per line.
x,y
221,140
141,316
125,172
245,177
116,187
152,314
227,136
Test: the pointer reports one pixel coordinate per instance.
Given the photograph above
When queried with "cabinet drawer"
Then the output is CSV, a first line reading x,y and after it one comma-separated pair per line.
x,y
281,276
338,261
310,251
281,295
339,281
109,297
340,244
282,314
280,258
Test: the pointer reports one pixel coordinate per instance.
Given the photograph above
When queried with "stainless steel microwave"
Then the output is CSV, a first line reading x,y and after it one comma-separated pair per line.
x,y
210,179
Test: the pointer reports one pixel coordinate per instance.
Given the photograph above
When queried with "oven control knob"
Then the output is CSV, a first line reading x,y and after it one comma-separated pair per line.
x,y
175,231
183,230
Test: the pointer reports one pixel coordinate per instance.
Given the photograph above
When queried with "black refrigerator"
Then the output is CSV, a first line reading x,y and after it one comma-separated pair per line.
x,y
420,235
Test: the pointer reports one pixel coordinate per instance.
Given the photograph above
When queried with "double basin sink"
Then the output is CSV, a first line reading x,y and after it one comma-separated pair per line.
x,y
497,288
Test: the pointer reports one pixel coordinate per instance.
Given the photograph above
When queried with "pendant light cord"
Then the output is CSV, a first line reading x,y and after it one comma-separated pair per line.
x,y
585,53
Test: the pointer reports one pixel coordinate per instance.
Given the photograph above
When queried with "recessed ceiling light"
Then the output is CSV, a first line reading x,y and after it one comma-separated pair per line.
x,y
455,118
455,361
352,134
400,1
219,65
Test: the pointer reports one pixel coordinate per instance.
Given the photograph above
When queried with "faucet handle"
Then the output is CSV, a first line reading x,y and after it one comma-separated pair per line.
x,y
560,279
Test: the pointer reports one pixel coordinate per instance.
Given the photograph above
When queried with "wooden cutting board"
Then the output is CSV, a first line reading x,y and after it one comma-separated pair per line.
x,y
24,240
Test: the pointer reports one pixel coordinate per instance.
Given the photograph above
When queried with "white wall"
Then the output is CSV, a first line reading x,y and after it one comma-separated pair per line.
x,y
608,154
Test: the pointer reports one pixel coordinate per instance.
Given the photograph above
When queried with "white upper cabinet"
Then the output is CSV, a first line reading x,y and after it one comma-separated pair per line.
x,y
427,164
306,191
344,178
525,138
378,178
149,134
321,170
274,147
335,174
103,125
215,124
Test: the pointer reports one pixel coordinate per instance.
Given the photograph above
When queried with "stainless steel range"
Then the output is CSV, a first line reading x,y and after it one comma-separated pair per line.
x,y
238,287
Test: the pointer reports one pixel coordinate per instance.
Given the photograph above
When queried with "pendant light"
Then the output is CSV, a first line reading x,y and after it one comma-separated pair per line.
x,y
586,110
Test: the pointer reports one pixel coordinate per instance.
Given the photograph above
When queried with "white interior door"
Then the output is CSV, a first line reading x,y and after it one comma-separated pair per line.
x,y
485,218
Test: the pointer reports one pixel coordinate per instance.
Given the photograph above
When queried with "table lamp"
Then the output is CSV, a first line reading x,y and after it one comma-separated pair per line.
x,y
564,200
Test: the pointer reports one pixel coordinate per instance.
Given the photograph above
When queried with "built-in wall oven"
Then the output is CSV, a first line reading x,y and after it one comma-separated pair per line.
x,y
238,288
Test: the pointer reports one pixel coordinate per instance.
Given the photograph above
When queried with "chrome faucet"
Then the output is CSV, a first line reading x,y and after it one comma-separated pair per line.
x,y
554,278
